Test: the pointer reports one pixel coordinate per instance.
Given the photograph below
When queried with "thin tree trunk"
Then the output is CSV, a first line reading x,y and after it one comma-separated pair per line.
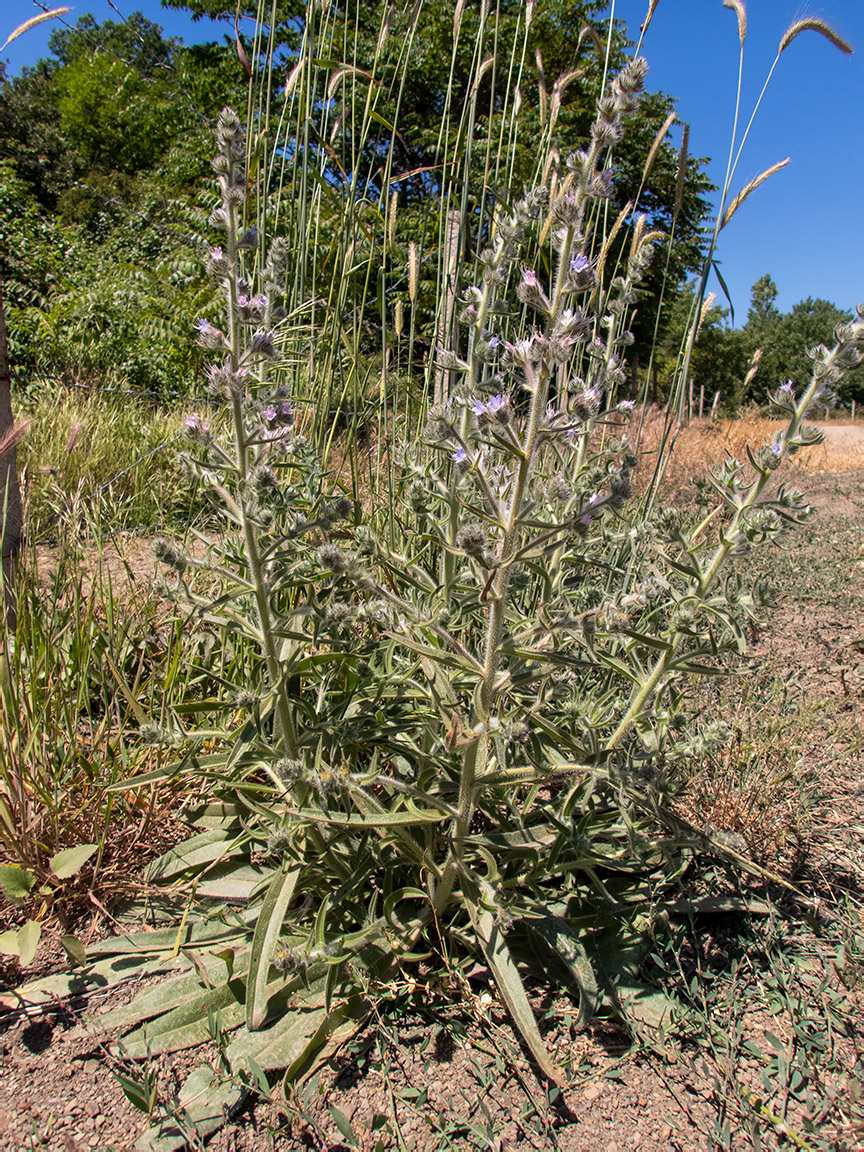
x,y
10,497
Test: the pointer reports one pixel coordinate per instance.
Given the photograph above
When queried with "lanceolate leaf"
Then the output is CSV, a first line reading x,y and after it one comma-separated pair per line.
x,y
172,994
103,974
509,984
569,948
198,850
187,1025
267,932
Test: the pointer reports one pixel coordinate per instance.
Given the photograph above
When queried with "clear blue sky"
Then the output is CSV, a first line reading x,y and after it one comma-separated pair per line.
x,y
804,225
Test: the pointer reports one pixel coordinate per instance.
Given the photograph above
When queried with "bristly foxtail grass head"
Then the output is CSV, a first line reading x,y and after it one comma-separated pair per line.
x,y
812,24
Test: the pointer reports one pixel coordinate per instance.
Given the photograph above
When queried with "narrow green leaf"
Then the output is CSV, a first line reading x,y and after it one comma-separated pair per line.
x,y
509,984
561,938
344,1125
74,950
373,820
267,932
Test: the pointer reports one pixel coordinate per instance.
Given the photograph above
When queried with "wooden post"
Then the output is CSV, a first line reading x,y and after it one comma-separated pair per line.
x,y
714,405
701,399
10,496
853,411
690,402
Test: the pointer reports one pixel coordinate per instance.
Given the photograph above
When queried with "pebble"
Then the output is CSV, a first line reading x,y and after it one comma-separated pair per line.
x,y
592,1092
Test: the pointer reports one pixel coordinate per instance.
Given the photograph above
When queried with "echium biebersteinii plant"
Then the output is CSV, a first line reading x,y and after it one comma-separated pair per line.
x,y
464,743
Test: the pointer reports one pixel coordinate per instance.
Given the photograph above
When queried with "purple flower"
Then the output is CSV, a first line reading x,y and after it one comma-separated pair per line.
x,y
196,428
492,405
208,336
581,276
279,414
787,388
262,344
217,265
460,456
495,408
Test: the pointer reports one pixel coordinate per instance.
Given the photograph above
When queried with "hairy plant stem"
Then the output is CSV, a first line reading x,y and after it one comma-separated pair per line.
x,y
468,786
250,535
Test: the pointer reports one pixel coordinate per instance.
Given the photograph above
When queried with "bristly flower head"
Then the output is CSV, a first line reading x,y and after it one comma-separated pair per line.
x,y
263,344
581,275
209,336
495,409
223,381
530,292
197,430
217,264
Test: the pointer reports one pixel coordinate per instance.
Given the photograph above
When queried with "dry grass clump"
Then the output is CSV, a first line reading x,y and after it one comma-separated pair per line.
x,y
756,795
705,442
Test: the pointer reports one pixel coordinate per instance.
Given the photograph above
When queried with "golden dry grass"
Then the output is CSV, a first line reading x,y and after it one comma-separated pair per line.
x,y
704,442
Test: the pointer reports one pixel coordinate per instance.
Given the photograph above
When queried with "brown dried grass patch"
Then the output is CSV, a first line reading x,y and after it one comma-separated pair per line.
x,y
705,442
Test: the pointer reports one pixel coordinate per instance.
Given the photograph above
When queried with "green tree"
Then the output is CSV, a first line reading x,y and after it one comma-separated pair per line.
x,y
112,116
785,339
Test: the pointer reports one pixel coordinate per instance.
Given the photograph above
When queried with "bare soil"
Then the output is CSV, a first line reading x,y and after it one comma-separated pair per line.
x,y
440,1069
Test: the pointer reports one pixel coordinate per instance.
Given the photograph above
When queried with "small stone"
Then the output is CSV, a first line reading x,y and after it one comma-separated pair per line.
x,y
611,1146
91,1108
592,1092
666,1132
